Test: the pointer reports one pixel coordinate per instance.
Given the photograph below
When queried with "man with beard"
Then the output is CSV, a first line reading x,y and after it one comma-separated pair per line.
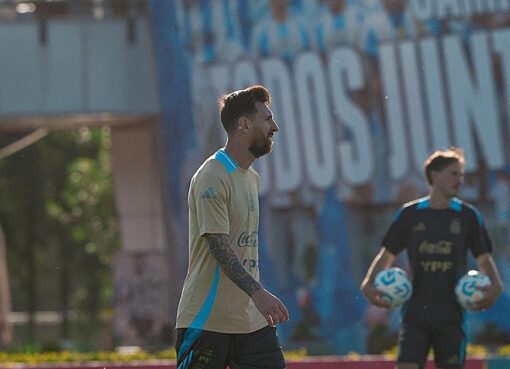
x,y
225,316
437,231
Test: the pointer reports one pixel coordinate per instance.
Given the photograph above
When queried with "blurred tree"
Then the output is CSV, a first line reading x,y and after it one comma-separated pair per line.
x,y
59,218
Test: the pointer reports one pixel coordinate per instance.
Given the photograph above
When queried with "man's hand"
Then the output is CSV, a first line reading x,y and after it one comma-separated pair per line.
x,y
374,296
383,260
490,295
270,306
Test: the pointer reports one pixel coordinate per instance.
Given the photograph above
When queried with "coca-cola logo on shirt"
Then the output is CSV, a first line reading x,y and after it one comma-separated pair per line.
x,y
248,240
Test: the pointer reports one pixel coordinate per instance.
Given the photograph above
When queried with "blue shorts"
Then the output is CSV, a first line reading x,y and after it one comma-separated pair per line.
x,y
447,340
197,348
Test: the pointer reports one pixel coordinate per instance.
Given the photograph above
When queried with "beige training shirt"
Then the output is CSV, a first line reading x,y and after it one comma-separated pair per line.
x,y
222,198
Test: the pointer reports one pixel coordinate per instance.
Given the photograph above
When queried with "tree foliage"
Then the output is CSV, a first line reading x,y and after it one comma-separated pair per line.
x,y
57,210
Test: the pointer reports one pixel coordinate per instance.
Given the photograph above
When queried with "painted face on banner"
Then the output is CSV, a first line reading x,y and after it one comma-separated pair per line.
x,y
279,8
395,6
337,6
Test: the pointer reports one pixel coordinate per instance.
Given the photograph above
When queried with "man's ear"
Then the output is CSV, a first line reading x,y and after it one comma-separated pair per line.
x,y
433,175
243,124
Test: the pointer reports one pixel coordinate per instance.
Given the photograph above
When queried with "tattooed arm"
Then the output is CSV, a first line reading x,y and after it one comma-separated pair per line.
x,y
230,263
270,306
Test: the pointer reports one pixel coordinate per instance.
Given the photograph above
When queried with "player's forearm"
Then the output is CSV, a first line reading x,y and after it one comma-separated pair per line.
x,y
230,264
384,259
487,266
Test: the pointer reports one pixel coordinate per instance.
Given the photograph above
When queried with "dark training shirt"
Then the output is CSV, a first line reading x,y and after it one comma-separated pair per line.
x,y
437,243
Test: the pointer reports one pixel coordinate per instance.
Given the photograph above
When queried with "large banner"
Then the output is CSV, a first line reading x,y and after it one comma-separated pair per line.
x,y
363,92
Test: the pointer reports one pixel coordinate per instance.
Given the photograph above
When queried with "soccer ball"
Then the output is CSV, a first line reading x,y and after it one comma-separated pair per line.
x,y
394,285
466,290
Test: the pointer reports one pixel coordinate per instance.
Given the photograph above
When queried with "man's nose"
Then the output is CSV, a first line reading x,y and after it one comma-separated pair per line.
x,y
275,127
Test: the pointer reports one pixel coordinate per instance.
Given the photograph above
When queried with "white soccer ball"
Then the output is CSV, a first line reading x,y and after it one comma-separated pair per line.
x,y
467,291
395,286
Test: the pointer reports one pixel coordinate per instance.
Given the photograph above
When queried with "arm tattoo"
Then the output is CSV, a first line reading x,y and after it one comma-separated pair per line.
x,y
230,264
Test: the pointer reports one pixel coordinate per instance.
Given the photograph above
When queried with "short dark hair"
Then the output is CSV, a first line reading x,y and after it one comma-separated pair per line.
x,y
440,159
241,102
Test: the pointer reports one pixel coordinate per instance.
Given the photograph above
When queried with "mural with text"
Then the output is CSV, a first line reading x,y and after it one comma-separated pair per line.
x,y
363,92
